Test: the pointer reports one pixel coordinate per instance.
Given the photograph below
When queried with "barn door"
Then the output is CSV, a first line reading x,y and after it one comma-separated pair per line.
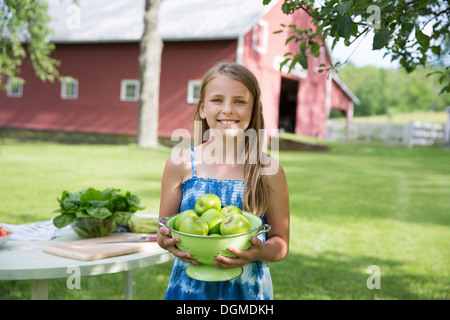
x,y
288,105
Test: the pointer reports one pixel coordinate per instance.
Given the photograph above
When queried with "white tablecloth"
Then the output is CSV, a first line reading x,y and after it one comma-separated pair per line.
x,y
37,231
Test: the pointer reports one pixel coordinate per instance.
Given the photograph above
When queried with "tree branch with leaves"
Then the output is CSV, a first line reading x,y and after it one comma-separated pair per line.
x,y
24,32
414,32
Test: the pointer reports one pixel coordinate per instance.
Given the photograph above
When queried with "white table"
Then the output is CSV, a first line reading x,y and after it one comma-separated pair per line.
x,y
25,260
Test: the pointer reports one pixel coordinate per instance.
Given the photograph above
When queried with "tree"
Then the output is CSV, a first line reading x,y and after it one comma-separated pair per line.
x,y
389,91
24,30
412,32
150,69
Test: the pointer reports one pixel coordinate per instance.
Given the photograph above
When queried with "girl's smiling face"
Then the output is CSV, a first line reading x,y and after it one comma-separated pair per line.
x,y
227,104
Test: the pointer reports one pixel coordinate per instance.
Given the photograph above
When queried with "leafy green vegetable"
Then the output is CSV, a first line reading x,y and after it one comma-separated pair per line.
x,y
64,220
107,204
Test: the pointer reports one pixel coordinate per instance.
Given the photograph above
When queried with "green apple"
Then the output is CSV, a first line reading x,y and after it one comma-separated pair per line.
x,y
235,224
184,215
194,225
214,235
213,218
229,210
206,202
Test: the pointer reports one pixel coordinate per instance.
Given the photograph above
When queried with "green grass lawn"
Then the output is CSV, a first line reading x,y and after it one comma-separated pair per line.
x,y
351,208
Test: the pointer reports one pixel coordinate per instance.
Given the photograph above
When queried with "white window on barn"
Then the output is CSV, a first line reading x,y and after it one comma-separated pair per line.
x,y
14,87
296,71
69,88
260,38
129,90
193,93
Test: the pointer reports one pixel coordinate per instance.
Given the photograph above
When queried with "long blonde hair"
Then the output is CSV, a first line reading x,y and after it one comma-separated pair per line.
x,y
256,192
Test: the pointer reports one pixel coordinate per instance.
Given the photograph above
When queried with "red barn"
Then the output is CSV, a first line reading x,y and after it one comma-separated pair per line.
x,y
97,43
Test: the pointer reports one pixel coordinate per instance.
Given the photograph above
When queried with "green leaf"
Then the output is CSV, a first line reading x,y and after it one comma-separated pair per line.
x,y
122,217
119,203
302,47
300,58
304,61
100,213
134,202
344,26
343,8
289,39
315,49
98,203
445,89
436,50
354,31
294,62
335,41
92,194
406,29
423,3
266,2
63,220
422,39
88,195
283,63
82,214
69,201
110,192
286,8
381,38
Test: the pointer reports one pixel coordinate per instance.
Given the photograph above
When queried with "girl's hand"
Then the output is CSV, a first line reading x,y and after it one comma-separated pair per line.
x,y
242,257
168,243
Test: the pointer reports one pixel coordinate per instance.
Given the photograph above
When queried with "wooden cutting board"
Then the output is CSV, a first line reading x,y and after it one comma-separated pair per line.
x,y
95,248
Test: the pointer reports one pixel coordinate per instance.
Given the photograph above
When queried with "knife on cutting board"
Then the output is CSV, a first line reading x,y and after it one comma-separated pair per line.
x,y
141,239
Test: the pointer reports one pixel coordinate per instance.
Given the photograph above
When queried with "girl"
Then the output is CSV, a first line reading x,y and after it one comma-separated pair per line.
x,y
229,105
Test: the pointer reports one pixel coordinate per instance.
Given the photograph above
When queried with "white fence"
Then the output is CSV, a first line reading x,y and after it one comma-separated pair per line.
x,y
411,134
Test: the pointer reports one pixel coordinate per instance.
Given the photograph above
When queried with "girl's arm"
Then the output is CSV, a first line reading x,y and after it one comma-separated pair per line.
x,y
171,194
276,247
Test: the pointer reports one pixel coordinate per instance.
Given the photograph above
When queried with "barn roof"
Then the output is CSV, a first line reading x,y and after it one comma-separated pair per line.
x,y
179,20
122,20
346,89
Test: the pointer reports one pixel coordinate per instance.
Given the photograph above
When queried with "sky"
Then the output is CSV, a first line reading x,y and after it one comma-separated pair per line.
x,y
361,54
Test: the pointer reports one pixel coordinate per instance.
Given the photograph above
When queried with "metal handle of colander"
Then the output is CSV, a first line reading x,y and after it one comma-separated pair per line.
x,y
263,229
162,220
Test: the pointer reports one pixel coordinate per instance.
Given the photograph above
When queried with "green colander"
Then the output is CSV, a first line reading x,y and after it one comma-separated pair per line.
x,y
205,249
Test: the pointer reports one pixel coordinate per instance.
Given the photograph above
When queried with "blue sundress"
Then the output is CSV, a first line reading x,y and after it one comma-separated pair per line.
x,y
254,283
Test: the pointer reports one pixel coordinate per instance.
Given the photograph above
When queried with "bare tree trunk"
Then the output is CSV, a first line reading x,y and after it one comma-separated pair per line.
x,y
150,69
